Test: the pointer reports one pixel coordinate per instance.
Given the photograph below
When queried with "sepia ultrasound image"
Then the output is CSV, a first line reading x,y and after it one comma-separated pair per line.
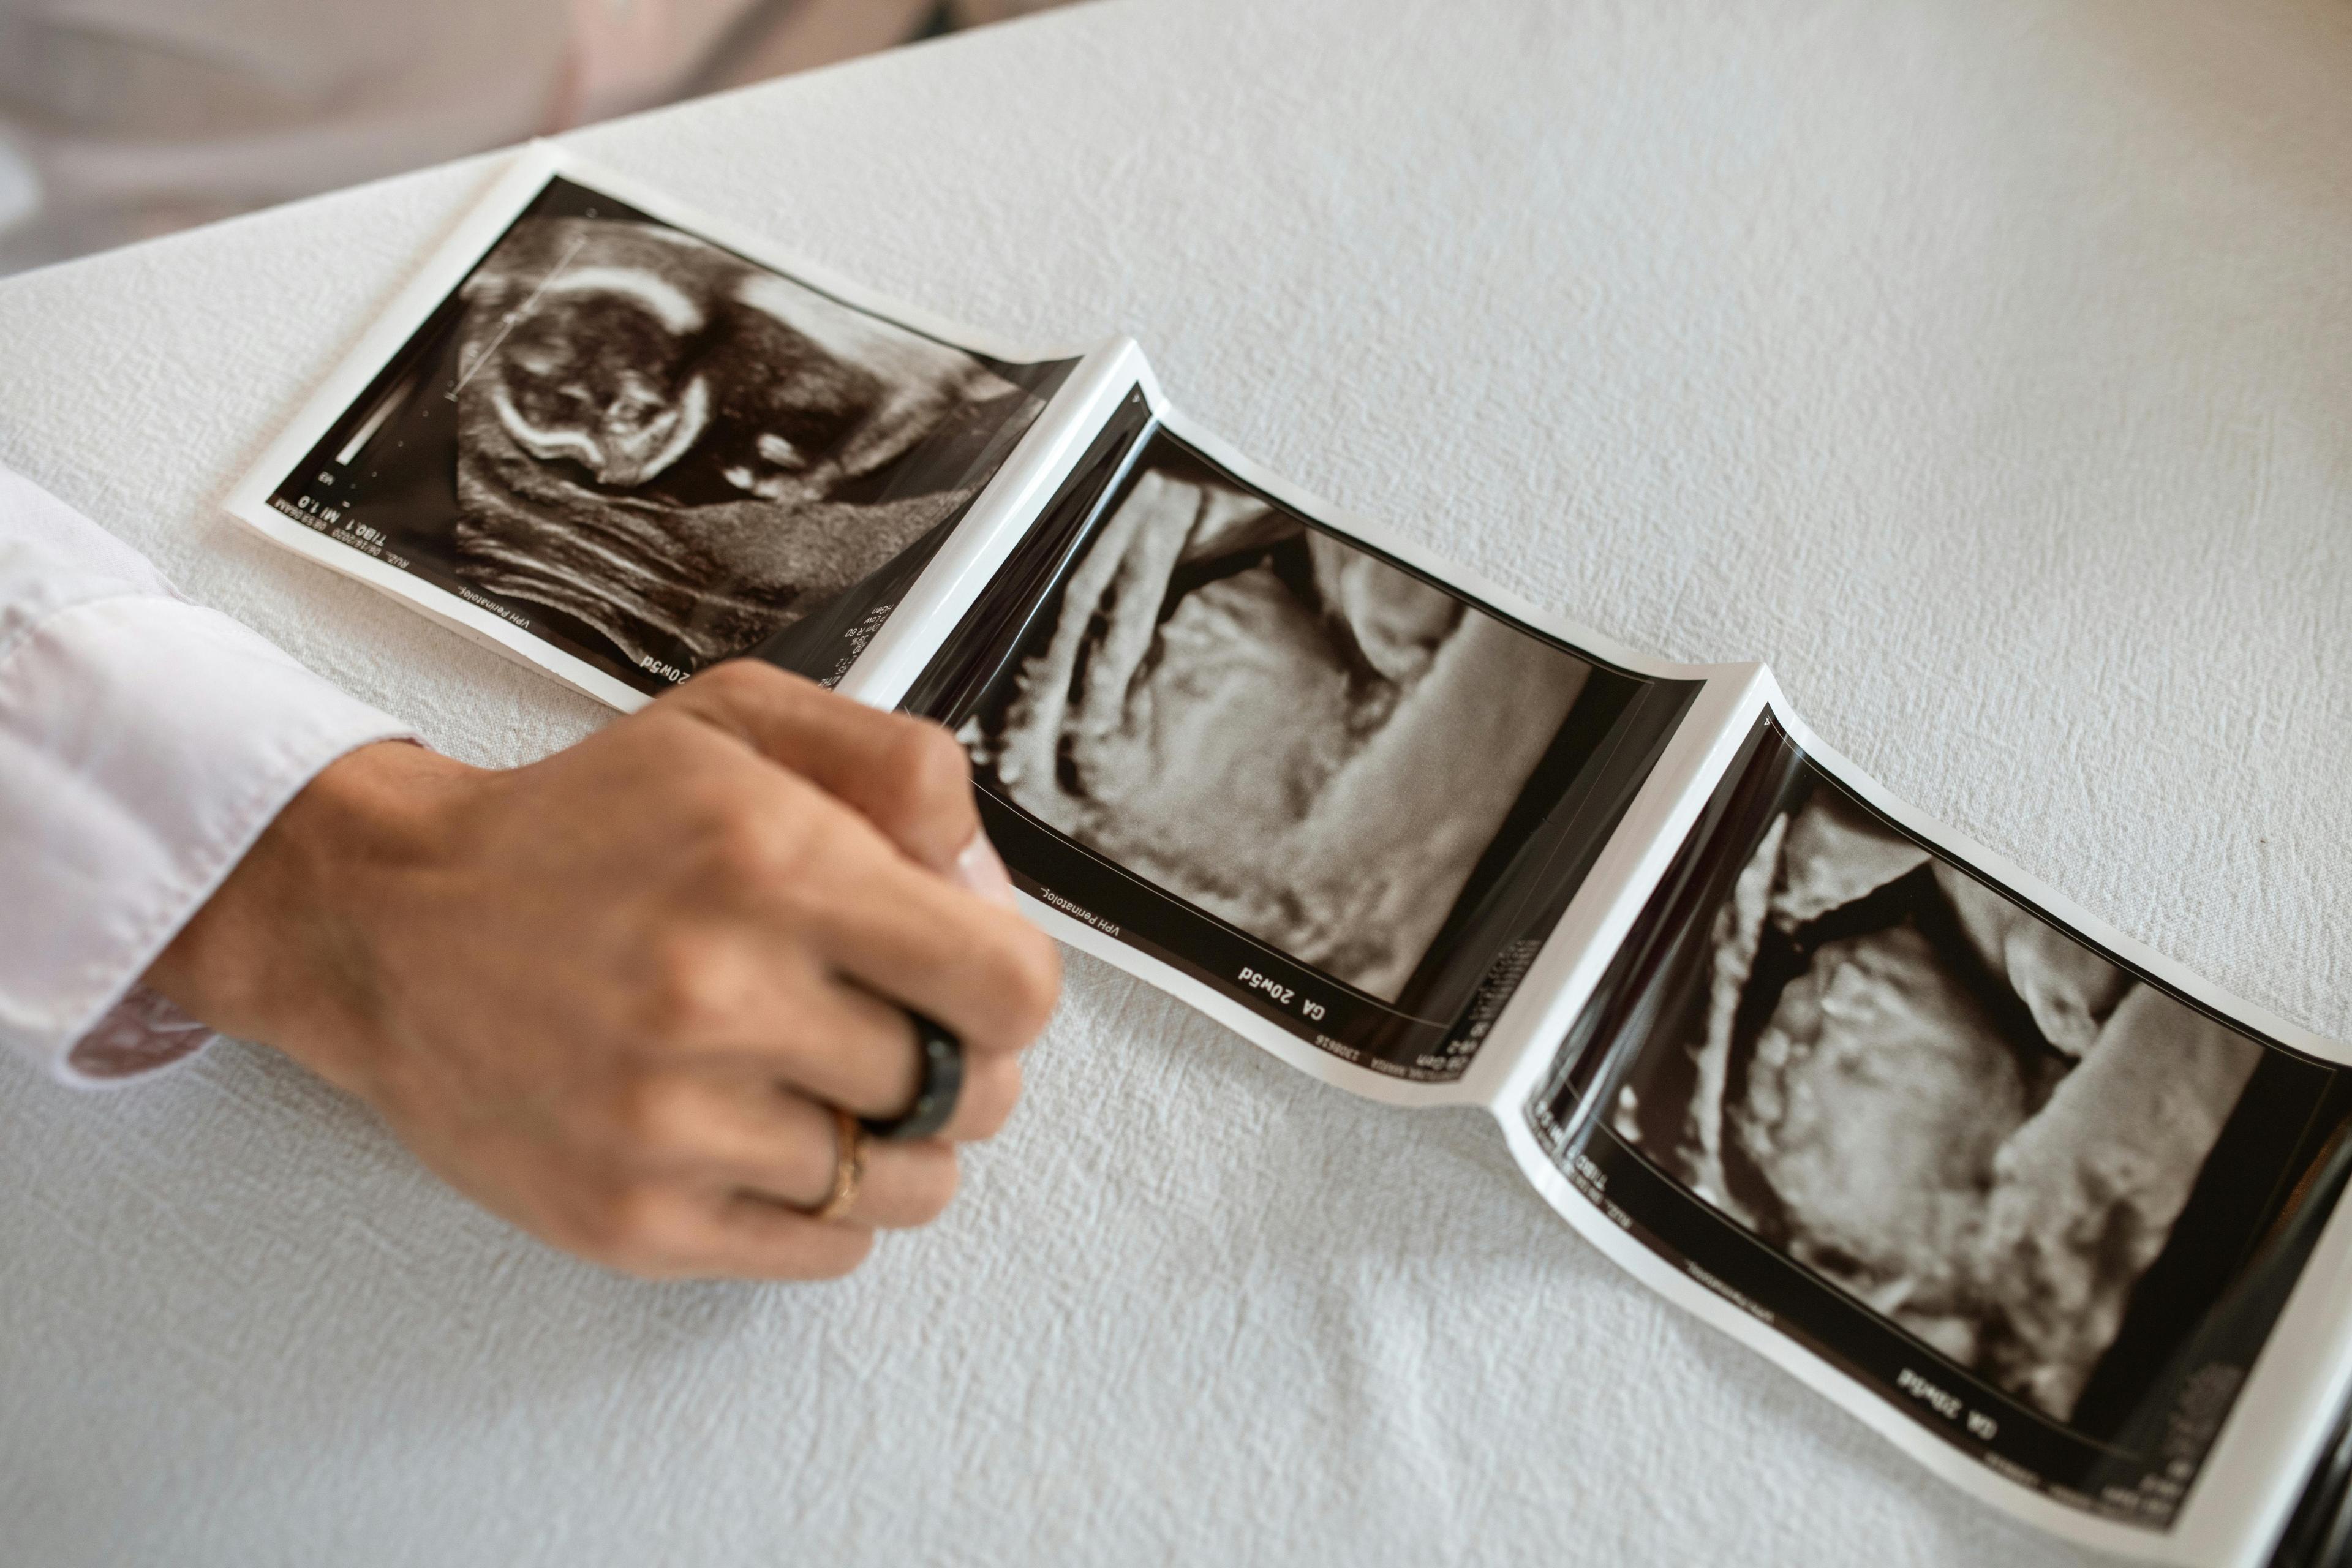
x,y
653,452
1938,1100
1274,725
1950,1129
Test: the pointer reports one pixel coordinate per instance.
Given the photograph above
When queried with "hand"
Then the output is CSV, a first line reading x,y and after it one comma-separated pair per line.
x,y
610,995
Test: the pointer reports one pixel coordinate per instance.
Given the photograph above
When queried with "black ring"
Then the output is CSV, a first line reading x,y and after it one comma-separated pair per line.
x,y
935,1094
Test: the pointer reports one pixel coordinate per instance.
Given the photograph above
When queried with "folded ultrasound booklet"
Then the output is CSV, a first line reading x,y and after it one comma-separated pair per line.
x,y
2053,1215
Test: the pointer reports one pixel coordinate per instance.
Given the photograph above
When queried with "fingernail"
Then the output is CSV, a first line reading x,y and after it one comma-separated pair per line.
x,y
978,868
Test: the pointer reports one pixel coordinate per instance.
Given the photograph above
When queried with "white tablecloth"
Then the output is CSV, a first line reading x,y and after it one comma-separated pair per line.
x,y
1985,367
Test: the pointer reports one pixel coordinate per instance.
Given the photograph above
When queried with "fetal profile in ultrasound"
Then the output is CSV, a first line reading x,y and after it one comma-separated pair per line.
x,y
1273,723
1935,1098
680,448
635,442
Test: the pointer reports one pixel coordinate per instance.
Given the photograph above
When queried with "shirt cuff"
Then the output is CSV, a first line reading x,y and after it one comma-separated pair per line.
x,y
144,744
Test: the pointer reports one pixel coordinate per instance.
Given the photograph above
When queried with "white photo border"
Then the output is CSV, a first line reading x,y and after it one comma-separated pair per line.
x,y
2253,1471
525,176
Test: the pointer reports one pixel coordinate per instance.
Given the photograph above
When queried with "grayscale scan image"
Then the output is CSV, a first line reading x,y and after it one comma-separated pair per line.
x,y
1939,1101
1910,1119
654,453
1279,727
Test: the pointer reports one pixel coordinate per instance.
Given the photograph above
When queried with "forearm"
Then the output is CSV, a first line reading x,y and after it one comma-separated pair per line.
x,y
281,953
145,743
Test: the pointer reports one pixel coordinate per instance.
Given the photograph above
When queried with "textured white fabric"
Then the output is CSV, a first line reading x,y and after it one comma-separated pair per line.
x,y
1983,366
144,743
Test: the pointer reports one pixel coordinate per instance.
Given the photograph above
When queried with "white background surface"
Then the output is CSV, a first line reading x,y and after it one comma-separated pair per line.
x,y
1984,367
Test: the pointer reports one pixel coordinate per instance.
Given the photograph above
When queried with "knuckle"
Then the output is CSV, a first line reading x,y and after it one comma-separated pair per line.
x,y
926,785
934,761
687,991
752,844
738,677
649,1116
626,1228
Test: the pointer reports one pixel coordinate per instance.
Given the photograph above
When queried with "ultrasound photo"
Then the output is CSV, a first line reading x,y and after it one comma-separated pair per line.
x,y
653,452
1274,725
1936,1099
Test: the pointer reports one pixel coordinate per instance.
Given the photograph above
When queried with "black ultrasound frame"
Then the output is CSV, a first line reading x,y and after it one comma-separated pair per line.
x,y
1572,802
2209,1300
414,499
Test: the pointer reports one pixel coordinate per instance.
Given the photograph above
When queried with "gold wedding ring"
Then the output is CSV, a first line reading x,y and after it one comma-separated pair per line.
x,y
848,1167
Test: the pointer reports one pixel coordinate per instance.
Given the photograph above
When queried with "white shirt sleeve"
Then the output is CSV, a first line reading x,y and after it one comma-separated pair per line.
x,y
145,742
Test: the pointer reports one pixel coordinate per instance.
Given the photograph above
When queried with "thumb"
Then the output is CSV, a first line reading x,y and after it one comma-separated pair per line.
x,y
906,775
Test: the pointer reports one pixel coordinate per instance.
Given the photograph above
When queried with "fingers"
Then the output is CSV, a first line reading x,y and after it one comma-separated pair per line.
x,y
812,934
718,1173
677,1230
773,1014
800,886
820,1001
748,1237
728,1170
815,888
733,1131
860,1053
906,775
987,976
848,1047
